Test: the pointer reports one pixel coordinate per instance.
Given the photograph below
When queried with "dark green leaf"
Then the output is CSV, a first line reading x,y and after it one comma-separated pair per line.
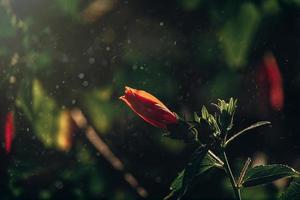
x,y
293,191
210,119
267,173
192,167
177,183
176,186
199,164
207,163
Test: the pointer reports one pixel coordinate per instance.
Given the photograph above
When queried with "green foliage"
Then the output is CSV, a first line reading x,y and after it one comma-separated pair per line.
x,y
41,110
200,163
271,7
53,46
210,119
38,61
97,103
6,25
193,168
178,131
229,107
258,192
176,185
227,111
237,34
220,122
293,191
68,7
267,173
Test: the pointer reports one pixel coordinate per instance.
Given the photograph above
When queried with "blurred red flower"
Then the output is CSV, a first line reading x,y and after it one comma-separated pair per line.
x,y
149,108
269,77
9,131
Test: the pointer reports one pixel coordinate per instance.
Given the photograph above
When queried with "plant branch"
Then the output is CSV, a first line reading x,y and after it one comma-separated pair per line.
x,y
243,172
94,138
214,156
258,124
227,167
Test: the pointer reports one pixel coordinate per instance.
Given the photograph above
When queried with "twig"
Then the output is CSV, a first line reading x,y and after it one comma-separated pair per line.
x,y
227,167
214,156
106,152
258,124
243,172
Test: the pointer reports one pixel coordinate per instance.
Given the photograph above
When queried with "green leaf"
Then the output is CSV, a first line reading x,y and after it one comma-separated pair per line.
x,y
227,111
200,163
267,173
177,182
293,191
98,106
207,163
41,110
204,113
45,114
210,119
197,118
192,168
236,35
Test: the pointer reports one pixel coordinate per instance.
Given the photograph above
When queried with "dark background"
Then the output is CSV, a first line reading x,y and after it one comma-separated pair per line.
x,y
64,54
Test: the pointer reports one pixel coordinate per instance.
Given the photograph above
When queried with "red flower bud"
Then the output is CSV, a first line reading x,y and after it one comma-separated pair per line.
x,y
149,108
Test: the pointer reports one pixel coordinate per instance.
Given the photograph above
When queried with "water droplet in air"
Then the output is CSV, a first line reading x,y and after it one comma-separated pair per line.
x,y
59,185
81,75
134,67
85,83
92,60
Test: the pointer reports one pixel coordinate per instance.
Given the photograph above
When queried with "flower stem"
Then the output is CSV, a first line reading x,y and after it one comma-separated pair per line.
x,y
220,162
227,167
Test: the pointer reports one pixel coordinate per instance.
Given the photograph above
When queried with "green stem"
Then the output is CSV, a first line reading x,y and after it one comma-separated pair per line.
x,y
227,167
216,158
